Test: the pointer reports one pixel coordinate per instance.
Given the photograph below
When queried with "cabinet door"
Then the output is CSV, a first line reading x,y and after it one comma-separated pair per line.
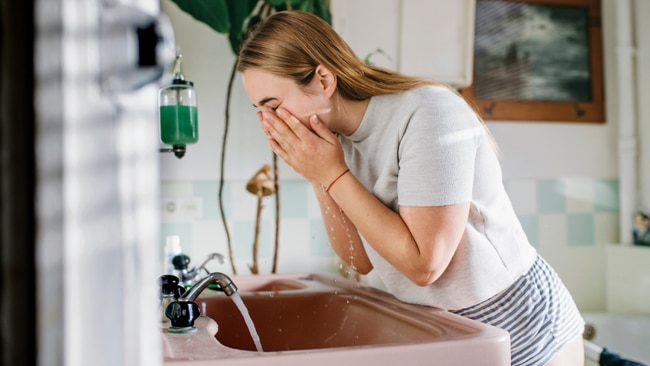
x,y
437,40
370,27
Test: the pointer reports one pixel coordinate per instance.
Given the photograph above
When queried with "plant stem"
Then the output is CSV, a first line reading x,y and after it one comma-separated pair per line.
x,y
233,72
276,184
256,243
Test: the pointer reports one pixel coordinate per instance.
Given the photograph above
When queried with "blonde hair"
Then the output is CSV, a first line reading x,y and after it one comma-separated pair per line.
x,y
293,43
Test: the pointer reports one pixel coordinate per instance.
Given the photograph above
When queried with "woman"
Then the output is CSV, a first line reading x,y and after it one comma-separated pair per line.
x,y
408,183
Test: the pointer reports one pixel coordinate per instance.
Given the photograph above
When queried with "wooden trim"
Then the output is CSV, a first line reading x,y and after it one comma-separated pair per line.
x,y
592,110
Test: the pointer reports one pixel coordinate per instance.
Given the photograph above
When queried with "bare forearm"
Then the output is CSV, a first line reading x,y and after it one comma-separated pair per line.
x,y
342,234
420,252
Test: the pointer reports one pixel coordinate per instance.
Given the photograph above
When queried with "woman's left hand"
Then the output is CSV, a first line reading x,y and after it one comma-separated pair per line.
x,y
314,153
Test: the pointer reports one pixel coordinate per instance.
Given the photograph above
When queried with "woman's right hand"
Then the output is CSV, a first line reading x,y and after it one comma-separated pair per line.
x,y
315,152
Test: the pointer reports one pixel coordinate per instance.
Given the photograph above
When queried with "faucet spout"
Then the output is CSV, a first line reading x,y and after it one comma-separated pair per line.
x,y
219,257
224,282
183,312
190,276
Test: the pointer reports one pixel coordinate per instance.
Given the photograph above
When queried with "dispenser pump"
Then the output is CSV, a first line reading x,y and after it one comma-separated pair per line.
x,y
178,112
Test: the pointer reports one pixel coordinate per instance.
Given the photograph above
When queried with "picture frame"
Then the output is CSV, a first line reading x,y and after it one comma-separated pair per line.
x,y
538,60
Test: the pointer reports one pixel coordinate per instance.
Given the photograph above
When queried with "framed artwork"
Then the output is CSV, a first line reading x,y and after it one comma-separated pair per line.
x,y
538,60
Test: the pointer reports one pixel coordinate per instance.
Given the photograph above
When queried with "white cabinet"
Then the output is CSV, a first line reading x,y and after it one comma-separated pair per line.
x,y
430,38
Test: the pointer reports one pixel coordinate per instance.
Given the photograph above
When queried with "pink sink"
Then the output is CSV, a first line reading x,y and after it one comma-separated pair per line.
x,y
326,320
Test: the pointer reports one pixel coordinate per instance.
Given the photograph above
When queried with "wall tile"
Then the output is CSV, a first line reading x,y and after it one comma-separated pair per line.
x,y
209,237
550,196
293,199
209,193
606,228
558,215
580,229
530,225
552,230
319,243
579,194
182,229
176,189
606,196
523,195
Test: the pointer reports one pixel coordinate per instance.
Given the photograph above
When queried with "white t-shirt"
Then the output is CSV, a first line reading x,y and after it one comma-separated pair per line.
x,y
426,147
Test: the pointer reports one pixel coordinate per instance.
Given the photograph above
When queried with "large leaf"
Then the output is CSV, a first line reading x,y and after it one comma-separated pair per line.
x,y
234,17
239,11
214,13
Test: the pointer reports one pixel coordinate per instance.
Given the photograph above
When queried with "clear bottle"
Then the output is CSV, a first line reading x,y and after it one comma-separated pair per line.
x,y
172,249
179,123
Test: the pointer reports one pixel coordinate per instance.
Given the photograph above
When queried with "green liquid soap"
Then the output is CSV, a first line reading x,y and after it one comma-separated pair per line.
x,y
179,124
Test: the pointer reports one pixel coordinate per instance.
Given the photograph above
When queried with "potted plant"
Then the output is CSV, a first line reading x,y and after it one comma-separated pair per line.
x,y
234,18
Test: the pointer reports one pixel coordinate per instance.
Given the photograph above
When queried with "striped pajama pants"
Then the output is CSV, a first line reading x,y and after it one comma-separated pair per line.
x,y
538,312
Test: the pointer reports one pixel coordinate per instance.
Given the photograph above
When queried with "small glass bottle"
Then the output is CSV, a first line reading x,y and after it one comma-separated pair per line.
x,y
179,123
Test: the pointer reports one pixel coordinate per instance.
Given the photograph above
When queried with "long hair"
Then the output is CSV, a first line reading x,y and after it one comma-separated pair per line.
x,y
293,43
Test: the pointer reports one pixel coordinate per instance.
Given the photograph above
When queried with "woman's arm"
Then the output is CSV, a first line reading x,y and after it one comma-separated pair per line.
x,y
419,241
341,232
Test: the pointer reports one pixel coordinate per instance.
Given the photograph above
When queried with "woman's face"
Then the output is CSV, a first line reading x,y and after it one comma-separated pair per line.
x,y
267,92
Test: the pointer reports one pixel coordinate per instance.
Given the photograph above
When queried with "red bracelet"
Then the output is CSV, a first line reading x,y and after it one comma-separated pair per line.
x,y
335,179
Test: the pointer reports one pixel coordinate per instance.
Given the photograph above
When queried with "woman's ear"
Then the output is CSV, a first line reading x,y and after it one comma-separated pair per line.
x,y
327,80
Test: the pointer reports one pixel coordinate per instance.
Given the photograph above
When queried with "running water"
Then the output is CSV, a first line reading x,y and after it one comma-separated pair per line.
x,y
247,318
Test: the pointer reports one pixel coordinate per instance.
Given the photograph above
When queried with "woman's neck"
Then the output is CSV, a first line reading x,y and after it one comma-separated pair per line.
x,y
347,115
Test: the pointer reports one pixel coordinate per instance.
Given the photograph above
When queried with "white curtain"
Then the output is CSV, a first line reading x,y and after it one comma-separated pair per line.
x,y
97,198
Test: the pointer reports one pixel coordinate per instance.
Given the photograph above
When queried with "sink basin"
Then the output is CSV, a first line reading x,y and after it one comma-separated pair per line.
x,y
329,319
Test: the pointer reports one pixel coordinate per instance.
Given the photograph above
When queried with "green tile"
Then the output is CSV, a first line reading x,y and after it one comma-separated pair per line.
x,y
580,230
209,193
243,237
606,195
551,197
531,227
293,199
318,242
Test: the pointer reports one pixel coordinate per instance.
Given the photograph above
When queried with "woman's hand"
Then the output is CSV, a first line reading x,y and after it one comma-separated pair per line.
x,y
313,152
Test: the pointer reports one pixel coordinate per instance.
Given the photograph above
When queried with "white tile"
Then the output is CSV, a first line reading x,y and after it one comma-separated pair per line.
x,y
313,209
582,269
523,194
552,230
628,279
606,226
209,237
294,238
243,204
579,195
176,189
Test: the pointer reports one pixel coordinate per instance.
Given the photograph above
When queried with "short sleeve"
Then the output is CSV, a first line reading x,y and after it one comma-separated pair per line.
x,y
437,152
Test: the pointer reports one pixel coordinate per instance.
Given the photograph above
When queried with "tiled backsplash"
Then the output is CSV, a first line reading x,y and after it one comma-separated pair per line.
x,y
568,220
571,212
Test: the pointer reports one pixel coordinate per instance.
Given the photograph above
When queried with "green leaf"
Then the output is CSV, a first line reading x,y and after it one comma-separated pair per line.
x,y
229,16
239,11
213,13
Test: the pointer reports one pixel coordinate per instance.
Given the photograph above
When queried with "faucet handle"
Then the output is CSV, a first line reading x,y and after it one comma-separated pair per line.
x,y
181,262
182,315
169,285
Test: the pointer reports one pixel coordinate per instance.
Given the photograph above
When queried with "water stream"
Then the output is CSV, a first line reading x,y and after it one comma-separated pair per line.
x,y
247,318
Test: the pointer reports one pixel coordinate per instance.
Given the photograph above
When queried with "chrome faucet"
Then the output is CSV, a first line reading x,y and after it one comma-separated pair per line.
x,y
190,276
184,311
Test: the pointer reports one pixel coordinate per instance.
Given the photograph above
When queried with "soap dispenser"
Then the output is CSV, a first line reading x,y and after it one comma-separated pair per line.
x,y
177,101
